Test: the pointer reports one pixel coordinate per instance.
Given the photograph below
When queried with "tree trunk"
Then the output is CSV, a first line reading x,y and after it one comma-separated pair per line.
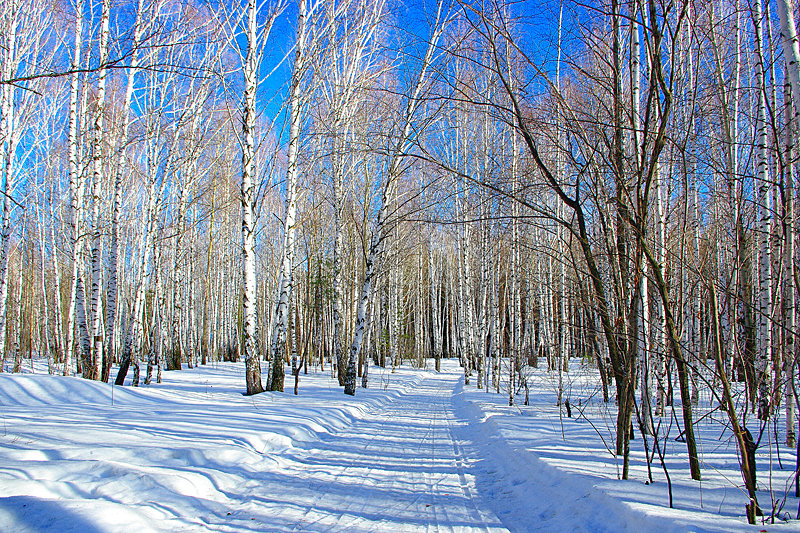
x,y
286,276
251,359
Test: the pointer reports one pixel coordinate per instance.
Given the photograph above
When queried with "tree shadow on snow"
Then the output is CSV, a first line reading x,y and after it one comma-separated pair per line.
x,y
31,514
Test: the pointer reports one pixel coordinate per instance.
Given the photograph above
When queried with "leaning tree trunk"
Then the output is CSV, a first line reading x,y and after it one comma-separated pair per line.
x,y
387,192
113,255
287,265
131,346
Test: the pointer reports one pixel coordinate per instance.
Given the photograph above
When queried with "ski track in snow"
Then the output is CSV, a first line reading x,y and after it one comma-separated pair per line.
x,y
399,468
415,452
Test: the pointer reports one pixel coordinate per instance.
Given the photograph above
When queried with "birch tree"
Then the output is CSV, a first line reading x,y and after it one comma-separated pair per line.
x,y
286,279
764,216
76,188
94,369
251,61
112,289
401,145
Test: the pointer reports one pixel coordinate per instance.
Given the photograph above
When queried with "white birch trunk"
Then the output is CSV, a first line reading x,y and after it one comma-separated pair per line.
x,y
791,55
467,300
513,355
113,257
247,196
286,276
76,191
131,348
788,278
394,304
7,135
51,349
484,307
461,314
434,281
644,311
380,232
763,216
660,342
338,250
17,328
58,317
791,49
95,371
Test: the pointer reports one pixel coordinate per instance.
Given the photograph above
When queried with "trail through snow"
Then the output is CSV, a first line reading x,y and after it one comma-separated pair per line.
x,y
399,468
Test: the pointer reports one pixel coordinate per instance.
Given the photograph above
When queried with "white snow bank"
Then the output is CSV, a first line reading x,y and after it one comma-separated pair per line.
x,y
538,446
185,455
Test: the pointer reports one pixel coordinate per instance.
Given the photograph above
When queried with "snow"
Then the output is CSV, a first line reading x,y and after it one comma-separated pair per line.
x,y
542,446
417,451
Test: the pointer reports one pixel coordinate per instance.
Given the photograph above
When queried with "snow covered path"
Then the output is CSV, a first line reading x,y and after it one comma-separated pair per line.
x,y
400,468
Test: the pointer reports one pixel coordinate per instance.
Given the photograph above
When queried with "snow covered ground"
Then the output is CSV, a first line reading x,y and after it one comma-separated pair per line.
x,y
417,451
541,446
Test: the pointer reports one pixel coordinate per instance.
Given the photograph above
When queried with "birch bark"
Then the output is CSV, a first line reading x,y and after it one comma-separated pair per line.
x,y
247,197
76,189
7,137
763,215
380,232
122,147
95,370
286,277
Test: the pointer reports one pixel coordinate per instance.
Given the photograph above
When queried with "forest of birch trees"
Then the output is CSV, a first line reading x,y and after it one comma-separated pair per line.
x,y
341,184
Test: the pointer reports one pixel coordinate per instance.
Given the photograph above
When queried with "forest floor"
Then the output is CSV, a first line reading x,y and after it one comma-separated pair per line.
x,y
417,451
